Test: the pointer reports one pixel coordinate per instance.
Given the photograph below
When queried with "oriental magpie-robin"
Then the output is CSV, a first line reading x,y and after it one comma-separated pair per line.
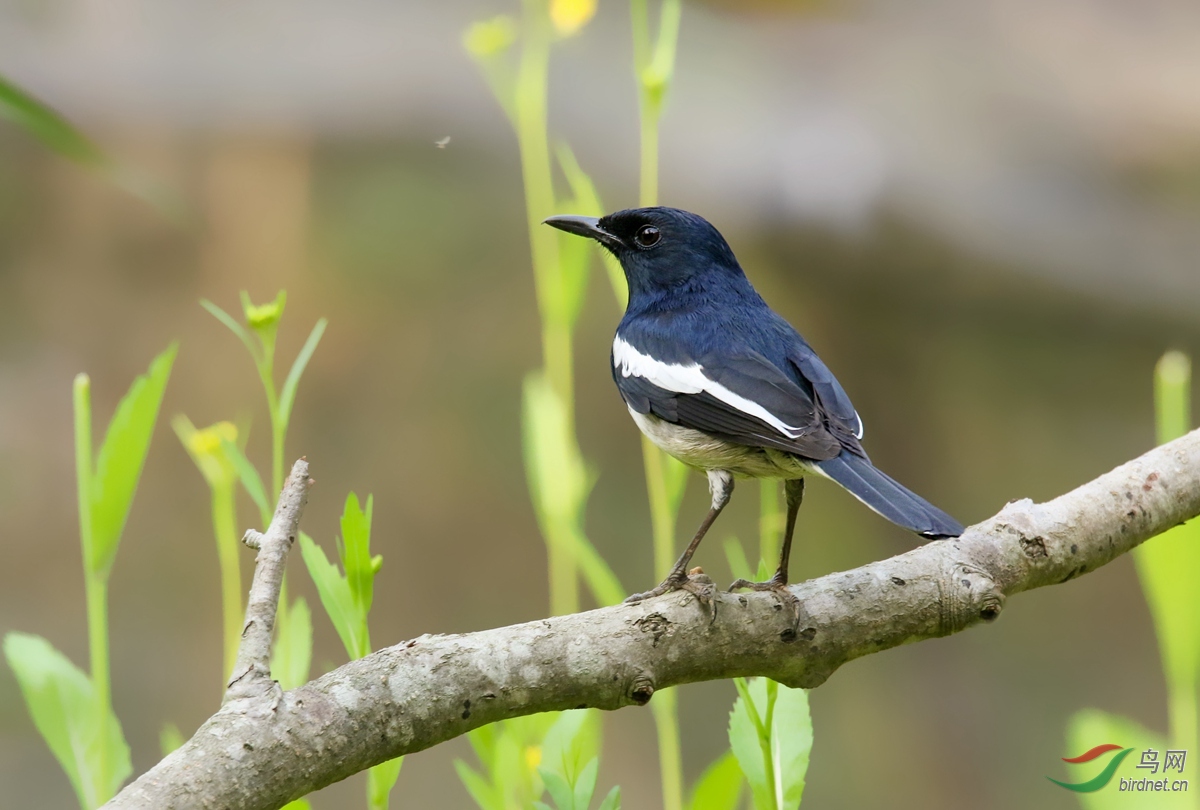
x,y
716,378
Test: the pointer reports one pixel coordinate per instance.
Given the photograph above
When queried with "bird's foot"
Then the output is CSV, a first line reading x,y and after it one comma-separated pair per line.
x,y
777,585
695,582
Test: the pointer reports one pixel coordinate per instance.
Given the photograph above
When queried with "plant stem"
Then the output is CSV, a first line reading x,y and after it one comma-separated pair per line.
x,y
770,521
648,183
95,581
665,708
1182,723
97,610
278,430
662,516
768,754
224,519
531,122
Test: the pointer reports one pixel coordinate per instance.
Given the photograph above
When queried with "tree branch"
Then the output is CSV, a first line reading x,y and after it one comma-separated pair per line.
x,y
252,671
261,751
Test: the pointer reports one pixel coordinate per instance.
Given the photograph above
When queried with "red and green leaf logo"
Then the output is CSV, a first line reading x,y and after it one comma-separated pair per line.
x,y
1101,779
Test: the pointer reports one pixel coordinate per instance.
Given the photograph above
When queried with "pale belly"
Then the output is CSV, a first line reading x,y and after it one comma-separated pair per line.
x,y
704,452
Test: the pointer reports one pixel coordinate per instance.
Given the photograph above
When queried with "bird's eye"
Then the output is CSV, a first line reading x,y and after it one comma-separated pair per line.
x,y
647,236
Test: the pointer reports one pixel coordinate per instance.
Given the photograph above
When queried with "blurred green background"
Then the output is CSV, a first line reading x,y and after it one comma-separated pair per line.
x,y
984,217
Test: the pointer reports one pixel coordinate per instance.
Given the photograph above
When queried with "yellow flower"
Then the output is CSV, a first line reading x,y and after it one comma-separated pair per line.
x,y
263,316
569,16
491,37
206,449
207,442
533,757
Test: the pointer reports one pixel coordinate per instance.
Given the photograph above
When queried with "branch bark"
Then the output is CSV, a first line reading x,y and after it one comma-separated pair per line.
x,y
266,748
251,675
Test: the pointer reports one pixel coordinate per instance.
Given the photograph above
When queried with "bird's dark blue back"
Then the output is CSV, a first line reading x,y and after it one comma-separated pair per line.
x,y
690,301
698,350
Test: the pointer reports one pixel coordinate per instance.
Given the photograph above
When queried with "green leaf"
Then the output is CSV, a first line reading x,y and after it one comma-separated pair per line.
x,y
291,654
297,804
675,477
575,254
170,738
745,740
1091,727
510,754
656,77
1169,565
558,788
48,126
613,800
84,737
287,396
251,481
720,786
514,768
764,571
356,554
559,483
571,743
791,744
585,784
56,133
483,741
770,732
482,792
736,555
380,781
120,460
335,597
601,581
235,327
586,201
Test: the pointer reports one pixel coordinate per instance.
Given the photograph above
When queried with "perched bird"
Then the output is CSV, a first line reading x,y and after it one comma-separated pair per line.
x,y
713,376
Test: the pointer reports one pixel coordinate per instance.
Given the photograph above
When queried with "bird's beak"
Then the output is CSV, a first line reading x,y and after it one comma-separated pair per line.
x,y
585,226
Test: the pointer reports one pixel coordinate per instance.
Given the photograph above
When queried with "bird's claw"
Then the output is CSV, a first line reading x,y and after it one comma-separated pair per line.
x,y
787,600
695,582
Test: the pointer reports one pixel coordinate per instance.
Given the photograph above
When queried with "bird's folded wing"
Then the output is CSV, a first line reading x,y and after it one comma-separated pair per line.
x,y
832,400
742,398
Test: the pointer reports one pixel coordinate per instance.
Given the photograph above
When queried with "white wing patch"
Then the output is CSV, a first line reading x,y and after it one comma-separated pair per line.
x,y
861,427
690,379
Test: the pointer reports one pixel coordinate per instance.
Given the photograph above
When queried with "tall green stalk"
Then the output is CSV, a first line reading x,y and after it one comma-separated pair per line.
x,y
530,122
73,711
770,521
208,448
225,525
654,65
1168,566
522,93
94,581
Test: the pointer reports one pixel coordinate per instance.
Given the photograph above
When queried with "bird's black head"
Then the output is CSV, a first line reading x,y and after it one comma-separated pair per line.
x,y
659,248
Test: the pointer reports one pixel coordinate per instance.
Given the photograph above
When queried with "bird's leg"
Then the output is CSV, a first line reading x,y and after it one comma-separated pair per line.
x,y
794,490
720,484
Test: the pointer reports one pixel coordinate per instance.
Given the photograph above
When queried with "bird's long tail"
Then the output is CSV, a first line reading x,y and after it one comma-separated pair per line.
x,y
888,498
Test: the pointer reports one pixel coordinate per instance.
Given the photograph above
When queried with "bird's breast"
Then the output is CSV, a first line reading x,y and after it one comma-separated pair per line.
x,y
698,449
